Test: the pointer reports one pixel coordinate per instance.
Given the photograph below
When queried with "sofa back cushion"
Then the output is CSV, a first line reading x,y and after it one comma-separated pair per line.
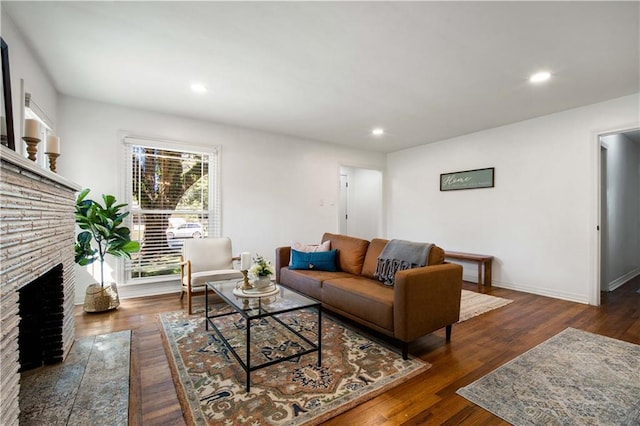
x,y
436,256
371,259
351,251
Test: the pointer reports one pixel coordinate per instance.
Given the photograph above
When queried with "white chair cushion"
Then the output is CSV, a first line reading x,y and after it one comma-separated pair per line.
x,y
200,278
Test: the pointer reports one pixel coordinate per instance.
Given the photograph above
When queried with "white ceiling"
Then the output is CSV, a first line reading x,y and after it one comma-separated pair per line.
x,y
331,71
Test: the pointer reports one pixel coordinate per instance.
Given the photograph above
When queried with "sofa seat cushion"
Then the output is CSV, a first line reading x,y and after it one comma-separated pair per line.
x,y
361,297
307,281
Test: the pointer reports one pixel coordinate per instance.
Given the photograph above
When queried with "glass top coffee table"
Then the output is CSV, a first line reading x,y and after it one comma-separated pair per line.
x,y
266,315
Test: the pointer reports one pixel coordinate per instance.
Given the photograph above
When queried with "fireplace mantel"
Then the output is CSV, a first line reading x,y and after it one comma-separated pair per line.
x,y
37,232
29,166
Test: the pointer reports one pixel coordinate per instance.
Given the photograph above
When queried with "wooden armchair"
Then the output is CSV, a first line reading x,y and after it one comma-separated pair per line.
x,y
202,260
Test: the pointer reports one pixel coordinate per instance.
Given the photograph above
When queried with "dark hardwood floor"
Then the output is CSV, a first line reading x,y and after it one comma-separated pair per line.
x,y
478,346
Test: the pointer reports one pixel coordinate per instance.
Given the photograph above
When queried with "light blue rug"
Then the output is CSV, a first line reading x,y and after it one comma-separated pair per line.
x,y
574,378
91,386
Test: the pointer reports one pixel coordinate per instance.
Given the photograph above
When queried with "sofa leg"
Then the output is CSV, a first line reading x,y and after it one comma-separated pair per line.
x,y
448,332
405,350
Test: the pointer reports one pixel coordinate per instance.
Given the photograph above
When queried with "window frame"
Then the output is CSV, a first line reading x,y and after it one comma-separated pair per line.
x,y
126,176
31,110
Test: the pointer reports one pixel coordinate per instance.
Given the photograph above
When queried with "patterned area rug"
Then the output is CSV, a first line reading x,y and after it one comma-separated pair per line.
x,y
574,378
473,304
211,383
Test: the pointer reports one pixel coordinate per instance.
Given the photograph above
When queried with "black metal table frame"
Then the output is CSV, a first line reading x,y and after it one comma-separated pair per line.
x,y
247,367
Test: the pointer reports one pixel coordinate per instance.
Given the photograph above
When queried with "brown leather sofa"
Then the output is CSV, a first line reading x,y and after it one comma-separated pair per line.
x,y
422,300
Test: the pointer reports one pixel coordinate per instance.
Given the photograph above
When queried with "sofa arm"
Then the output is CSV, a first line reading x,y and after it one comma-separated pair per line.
x,y
283,255
426,299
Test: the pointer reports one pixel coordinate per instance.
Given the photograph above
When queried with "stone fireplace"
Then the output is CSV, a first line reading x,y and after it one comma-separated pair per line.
x,y
37,231
41,311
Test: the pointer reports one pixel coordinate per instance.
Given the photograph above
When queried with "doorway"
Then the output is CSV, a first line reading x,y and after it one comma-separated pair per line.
x,y
360,209
619,209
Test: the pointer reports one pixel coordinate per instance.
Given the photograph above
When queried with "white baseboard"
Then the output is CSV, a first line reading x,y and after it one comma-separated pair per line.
x,y
153,289
571,297
150,289
142,290
472,278
622,280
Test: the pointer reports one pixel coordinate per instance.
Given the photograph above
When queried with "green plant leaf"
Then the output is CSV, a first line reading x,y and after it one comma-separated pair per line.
x,y
81,195
108,200
131,247
102,230
84,253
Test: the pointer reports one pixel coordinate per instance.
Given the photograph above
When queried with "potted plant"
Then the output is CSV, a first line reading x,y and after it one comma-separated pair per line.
x,y
261,272
102,233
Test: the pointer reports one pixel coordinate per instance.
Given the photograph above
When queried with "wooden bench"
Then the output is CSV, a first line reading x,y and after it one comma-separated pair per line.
x,y
482,260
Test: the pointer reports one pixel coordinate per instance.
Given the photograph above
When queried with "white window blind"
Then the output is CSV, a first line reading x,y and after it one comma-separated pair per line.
x,y
173,196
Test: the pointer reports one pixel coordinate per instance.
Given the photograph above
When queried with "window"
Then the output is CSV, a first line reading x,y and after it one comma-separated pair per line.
x,y
32,110
173,196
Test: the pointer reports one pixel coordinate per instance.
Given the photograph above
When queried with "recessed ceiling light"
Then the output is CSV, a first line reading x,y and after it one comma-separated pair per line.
x,y
198,88
539,77
378,131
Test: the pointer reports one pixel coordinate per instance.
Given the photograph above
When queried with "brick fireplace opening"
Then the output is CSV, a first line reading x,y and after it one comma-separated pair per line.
x,y
41,311
37,232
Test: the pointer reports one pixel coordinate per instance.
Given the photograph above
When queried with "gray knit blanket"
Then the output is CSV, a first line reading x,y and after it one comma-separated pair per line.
x,y
399,255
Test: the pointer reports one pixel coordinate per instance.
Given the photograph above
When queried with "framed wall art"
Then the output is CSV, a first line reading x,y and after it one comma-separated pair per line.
x,y
6,125
468,179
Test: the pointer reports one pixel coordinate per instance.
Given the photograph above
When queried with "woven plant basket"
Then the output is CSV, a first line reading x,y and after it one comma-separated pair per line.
x,y
100,299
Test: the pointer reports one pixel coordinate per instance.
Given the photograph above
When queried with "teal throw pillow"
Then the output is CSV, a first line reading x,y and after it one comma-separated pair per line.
x,y
314,261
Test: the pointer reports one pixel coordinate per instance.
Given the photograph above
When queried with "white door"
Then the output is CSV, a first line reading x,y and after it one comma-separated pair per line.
x,y
604,238
360,207
344,204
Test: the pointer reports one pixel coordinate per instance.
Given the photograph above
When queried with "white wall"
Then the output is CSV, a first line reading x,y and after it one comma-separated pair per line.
x,y
271,185
26,76
623,210
538,221
365,202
